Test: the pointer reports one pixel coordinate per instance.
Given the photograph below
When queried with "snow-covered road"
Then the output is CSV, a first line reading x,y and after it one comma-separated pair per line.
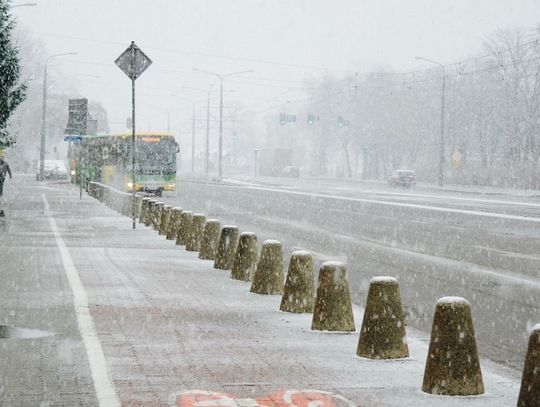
x,y
434,249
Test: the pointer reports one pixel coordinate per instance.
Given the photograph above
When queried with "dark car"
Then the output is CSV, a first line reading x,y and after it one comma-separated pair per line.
x,y
402,178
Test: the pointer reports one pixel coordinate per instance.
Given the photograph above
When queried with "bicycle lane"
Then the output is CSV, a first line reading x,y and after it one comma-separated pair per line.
x,y
43,357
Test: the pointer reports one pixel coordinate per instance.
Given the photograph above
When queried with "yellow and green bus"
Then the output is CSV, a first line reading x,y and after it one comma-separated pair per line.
x,y
107,159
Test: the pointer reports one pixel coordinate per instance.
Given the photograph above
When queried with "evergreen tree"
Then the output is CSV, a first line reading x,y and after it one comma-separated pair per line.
x,y
12,91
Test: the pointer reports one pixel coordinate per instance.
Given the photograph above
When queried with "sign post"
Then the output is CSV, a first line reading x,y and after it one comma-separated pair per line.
x,y
78,139
133,62
77,127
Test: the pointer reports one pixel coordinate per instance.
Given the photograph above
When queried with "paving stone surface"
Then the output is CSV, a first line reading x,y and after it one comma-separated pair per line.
x,y
174,330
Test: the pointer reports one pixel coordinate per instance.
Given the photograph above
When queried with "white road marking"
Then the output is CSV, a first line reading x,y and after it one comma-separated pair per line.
x,y
446,197
390,203
105,391
410,194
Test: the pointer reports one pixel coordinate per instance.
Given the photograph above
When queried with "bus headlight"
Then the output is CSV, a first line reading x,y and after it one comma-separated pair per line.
x,y
130,184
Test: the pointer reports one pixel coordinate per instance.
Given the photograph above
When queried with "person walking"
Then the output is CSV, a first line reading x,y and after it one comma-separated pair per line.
x,y
4,169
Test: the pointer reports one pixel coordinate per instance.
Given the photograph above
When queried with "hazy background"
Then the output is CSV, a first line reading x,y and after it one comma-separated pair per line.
x,y
306,57
283,41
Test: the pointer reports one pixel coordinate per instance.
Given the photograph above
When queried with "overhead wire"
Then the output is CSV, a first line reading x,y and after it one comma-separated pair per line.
x,y
251,81
199,53
535,41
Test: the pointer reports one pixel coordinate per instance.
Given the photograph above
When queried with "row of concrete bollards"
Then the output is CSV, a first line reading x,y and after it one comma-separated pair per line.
x,y
452,365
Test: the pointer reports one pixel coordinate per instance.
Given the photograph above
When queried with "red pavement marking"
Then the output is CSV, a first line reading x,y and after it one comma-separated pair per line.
x,y
283,398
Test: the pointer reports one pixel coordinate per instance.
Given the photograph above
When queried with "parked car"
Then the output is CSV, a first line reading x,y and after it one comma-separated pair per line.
x,y
53,169
402,178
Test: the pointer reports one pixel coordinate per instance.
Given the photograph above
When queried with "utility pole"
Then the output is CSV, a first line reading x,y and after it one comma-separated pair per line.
x,y
441,141
43,126
193,143
44,114
220,162
441,138
256,162
221,78
207,149
207,142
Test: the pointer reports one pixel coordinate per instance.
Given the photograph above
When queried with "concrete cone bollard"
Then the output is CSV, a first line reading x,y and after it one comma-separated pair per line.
x,y
118,202
113,200
165,218
383,329
122,203
529,395
453,367
210,239
130,204
156,219
268,278
107,196
144,210
193,241
138,206
152,212
245,260
149,212
174,223
299,295
333,308
101,194
125,204
226,249
186,219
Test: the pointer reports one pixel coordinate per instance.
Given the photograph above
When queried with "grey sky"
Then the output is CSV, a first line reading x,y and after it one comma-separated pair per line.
x,y
300,37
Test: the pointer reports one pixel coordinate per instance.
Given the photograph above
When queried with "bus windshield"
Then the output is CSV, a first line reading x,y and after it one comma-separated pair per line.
x,y
156,155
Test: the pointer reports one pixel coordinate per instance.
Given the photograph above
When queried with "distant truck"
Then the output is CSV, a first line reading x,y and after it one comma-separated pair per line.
x,y
277,162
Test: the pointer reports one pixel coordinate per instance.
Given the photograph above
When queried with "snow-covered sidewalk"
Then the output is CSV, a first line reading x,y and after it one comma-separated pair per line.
x,y
173,329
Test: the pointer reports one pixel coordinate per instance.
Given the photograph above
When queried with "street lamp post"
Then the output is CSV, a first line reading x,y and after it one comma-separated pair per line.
x,y
12,19
23,5
221,78
441,139
44,114
255,162
207,147
193,143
